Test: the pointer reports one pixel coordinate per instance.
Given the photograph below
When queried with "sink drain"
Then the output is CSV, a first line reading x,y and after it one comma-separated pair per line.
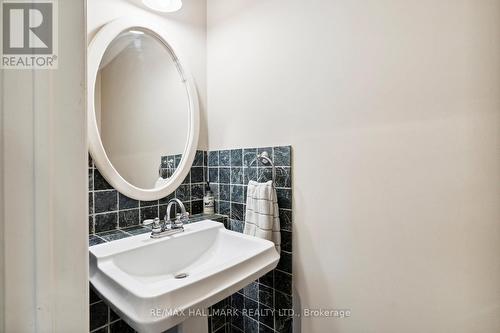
x,y
181,276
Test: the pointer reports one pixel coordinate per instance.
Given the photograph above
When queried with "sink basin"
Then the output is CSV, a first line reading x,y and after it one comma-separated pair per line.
x,y
156,284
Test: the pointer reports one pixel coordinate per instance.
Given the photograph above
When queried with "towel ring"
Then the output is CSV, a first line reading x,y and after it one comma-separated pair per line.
x,y
264,156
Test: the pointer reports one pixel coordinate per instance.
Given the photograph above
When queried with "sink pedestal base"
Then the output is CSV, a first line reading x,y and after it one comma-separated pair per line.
x,y
194,325
197,324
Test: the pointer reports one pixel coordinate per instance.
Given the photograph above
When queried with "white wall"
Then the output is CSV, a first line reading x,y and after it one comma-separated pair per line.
x,y
44,221
393,111
186,28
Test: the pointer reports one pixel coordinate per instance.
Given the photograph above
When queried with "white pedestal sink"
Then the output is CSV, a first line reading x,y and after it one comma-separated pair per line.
x,y
142,278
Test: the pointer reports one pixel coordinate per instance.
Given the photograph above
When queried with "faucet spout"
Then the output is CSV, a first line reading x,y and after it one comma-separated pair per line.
x,y
183,216
172,226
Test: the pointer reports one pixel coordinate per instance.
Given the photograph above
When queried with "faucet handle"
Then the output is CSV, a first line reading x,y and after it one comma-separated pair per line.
x,y
185,217
180,219
156,227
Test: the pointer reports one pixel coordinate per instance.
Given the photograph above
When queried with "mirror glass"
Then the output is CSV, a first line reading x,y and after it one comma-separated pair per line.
x,y
141,108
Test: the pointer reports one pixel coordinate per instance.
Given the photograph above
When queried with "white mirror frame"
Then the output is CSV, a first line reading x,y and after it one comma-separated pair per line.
x,y
96,51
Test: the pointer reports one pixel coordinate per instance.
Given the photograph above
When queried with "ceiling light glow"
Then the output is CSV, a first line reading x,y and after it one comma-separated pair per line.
x,y
164,6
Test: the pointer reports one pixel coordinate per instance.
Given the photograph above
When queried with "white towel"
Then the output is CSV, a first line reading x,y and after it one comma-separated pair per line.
x,y
262,214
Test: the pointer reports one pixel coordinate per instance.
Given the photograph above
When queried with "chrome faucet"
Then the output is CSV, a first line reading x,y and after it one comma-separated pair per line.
x,y
169,226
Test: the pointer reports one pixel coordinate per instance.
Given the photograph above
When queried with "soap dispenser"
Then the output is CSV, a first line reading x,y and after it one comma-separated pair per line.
x,y
208,201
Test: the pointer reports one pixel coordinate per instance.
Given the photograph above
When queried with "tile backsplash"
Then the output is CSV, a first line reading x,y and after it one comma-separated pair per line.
x,y
259,307
110,210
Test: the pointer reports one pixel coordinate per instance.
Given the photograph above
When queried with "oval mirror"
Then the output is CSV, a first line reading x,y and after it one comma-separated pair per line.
x,y
143,110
